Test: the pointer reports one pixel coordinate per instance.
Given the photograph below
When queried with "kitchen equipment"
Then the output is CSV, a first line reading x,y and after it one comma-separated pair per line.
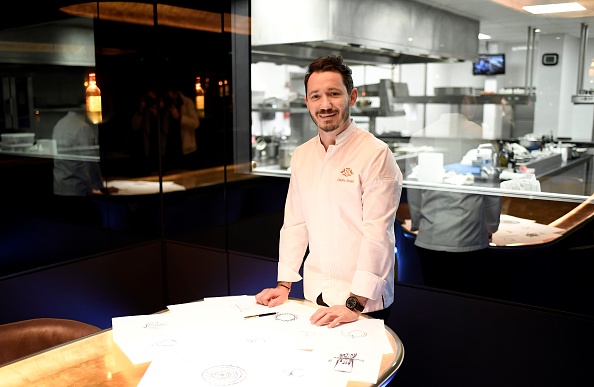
x,y
272,148
453,91
286,151
566,151
261,149
18,139
363,103
430,167
270,106
530,142
387,37
47,146
487,154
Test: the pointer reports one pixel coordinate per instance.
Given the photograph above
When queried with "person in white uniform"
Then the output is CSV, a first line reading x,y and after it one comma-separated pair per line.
x,y
343,195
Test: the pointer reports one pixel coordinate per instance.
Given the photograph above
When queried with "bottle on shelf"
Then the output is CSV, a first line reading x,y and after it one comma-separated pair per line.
x,y
199,98
93,100
503,155
511,161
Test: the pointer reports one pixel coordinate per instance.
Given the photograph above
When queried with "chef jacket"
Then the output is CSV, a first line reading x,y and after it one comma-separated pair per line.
x,y
75,176
453,221
342,203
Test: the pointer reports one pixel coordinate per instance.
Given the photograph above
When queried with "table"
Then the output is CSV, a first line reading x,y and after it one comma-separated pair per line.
x,y
141,187
96,360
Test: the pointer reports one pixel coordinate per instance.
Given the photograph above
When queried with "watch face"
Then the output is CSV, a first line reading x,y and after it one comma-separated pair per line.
x,y
353,304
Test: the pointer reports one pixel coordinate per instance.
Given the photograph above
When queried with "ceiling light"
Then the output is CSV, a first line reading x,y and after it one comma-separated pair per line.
x,y
482,36
553,8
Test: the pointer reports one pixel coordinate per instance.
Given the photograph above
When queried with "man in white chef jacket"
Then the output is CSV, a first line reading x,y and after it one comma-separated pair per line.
x,y
343,195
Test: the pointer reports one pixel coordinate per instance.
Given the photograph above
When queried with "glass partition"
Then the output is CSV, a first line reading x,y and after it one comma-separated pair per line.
x,y
462,141
117,126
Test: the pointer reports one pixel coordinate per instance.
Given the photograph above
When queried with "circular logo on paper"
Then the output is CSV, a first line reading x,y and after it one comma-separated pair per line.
x,y
224,375
357,333
286,317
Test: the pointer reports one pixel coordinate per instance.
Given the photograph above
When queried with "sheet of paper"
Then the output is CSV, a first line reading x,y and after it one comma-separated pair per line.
x,y
210,342
341,365
292,320
208,312
246,305
253,369
366,335
142,337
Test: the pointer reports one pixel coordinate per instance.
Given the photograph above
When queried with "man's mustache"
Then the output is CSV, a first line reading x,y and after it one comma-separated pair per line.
x,y
327,111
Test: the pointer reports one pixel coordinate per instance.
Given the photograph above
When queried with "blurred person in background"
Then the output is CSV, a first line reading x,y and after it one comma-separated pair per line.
x,y
167,123
77,175
453,234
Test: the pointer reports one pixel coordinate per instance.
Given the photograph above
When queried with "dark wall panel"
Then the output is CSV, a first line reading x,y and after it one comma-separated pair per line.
x,y
249,275
93,290
455,340
194,273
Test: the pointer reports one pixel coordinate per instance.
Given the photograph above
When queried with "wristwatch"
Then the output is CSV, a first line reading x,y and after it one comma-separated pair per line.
x,y
353,304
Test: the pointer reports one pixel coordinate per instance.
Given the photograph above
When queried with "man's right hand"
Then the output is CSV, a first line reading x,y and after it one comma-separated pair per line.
x,y
273,296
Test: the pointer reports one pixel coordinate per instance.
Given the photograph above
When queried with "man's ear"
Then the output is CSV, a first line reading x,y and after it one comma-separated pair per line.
x,y
353,96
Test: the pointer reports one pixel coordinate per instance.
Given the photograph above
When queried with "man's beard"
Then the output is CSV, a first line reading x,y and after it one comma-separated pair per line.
x,y
331,126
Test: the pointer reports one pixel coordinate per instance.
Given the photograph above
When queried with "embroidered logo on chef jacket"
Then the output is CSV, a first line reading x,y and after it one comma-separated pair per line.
x,y
346,172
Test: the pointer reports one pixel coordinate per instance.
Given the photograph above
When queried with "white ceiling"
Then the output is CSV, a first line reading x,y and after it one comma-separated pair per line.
x,y
506,22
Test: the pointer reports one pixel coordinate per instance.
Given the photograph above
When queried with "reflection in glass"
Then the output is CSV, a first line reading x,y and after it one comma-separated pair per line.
x,y
77,175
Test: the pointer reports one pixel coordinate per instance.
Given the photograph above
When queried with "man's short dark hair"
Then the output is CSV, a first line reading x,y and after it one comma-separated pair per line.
x,y
331,63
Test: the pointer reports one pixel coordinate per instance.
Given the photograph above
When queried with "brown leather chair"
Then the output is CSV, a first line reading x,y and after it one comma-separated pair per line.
x,y
23,338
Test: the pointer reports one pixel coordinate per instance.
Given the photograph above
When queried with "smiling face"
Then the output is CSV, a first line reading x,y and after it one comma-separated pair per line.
x,y
328,101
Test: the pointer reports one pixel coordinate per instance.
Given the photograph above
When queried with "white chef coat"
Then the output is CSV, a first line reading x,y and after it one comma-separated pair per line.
x,y
342,203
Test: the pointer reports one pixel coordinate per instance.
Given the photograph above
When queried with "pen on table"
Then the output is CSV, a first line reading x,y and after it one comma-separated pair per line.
x,y
261,315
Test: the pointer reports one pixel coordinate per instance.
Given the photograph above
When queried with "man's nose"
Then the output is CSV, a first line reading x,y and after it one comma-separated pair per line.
x,y
325,102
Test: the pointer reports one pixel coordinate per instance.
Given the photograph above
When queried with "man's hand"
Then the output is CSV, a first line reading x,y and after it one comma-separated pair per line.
x,y
273,296
334,316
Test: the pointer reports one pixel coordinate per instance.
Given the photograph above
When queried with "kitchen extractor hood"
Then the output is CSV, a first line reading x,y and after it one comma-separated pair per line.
x,y
65,42
364,32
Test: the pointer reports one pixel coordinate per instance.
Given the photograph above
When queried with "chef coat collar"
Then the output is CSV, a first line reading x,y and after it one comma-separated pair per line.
x,y
340,138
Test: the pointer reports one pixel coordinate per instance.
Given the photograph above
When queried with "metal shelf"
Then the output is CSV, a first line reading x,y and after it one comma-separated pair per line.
x,y
484,99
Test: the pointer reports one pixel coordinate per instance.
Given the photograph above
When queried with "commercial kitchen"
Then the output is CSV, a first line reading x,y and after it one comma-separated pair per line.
x,y
206,224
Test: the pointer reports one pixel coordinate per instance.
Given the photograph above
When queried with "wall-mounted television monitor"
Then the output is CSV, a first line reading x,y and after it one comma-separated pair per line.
x,y
489,64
